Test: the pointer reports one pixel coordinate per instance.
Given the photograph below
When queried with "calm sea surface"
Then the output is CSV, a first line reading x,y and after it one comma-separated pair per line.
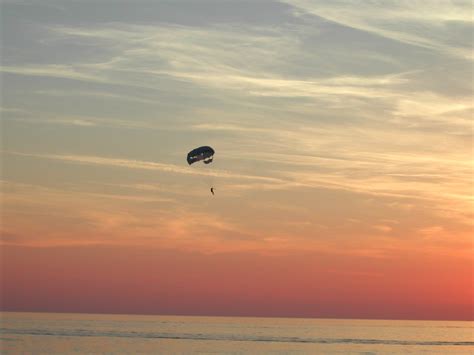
x,y
91,333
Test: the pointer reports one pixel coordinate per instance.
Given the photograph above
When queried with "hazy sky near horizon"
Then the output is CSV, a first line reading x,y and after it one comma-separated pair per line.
x,y
344,157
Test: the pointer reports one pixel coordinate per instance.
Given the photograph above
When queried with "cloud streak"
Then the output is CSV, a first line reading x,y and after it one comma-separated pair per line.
x,y
396,176
432,25
146,165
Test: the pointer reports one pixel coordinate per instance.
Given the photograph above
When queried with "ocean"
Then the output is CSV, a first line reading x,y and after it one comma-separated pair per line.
x,y
64,333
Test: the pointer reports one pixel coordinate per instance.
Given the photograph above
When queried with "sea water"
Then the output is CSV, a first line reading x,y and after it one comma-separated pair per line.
x,y
62,333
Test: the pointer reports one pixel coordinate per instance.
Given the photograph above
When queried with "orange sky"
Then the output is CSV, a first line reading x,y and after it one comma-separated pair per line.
x,y
310,284
343,167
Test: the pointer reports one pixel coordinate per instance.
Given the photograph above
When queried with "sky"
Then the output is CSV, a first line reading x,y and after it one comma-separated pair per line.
x,y
343,171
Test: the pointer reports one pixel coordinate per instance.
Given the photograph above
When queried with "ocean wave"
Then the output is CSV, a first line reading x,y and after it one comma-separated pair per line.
x,y
227,337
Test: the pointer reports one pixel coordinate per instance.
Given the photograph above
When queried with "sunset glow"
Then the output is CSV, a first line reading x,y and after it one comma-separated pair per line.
x,y
343,169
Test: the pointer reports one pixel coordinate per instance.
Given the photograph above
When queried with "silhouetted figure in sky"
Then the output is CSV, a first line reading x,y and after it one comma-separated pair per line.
x,y
212,190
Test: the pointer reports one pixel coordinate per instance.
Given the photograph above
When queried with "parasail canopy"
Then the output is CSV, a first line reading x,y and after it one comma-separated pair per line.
x,y
204,153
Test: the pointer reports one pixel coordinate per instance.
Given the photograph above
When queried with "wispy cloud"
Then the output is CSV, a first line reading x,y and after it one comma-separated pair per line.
x,y
146,165
67,122
215,57
396,175
13,110
55,71
238,61
257,62
266,85
434,25
95,94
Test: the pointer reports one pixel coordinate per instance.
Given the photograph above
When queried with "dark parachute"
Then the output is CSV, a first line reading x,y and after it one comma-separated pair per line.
x,y
204,153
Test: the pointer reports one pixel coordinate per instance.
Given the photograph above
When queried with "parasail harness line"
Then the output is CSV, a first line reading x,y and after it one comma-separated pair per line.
x,y
204,154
